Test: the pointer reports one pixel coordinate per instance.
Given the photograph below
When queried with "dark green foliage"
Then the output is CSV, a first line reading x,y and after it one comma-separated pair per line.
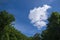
x,y
4,17
7,31
53,28
30,38
36,36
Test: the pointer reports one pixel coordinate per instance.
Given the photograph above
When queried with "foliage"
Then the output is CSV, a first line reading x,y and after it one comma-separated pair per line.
x,y
36,36
8,32
53,28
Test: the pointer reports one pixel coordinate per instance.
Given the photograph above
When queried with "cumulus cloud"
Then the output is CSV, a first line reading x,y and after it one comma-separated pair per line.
x,y
38,16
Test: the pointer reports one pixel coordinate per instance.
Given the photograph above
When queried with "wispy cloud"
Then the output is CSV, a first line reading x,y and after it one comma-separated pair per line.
x,y
38,16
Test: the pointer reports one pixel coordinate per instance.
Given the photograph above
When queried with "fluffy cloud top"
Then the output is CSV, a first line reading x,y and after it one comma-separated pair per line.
x,y
38,16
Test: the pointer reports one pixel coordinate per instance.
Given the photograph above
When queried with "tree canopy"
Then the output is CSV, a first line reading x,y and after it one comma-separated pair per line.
x,y
53,28
8,32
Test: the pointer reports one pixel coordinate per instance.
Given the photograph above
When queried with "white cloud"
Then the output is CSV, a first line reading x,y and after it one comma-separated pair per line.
x,y
38,16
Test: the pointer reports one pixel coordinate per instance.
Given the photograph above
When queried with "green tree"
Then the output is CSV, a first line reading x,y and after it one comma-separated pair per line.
x,y
30,38
53,28
7,31
36,36
5,20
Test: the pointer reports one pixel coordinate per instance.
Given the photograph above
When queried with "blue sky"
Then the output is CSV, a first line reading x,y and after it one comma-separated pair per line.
x,y
21,8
